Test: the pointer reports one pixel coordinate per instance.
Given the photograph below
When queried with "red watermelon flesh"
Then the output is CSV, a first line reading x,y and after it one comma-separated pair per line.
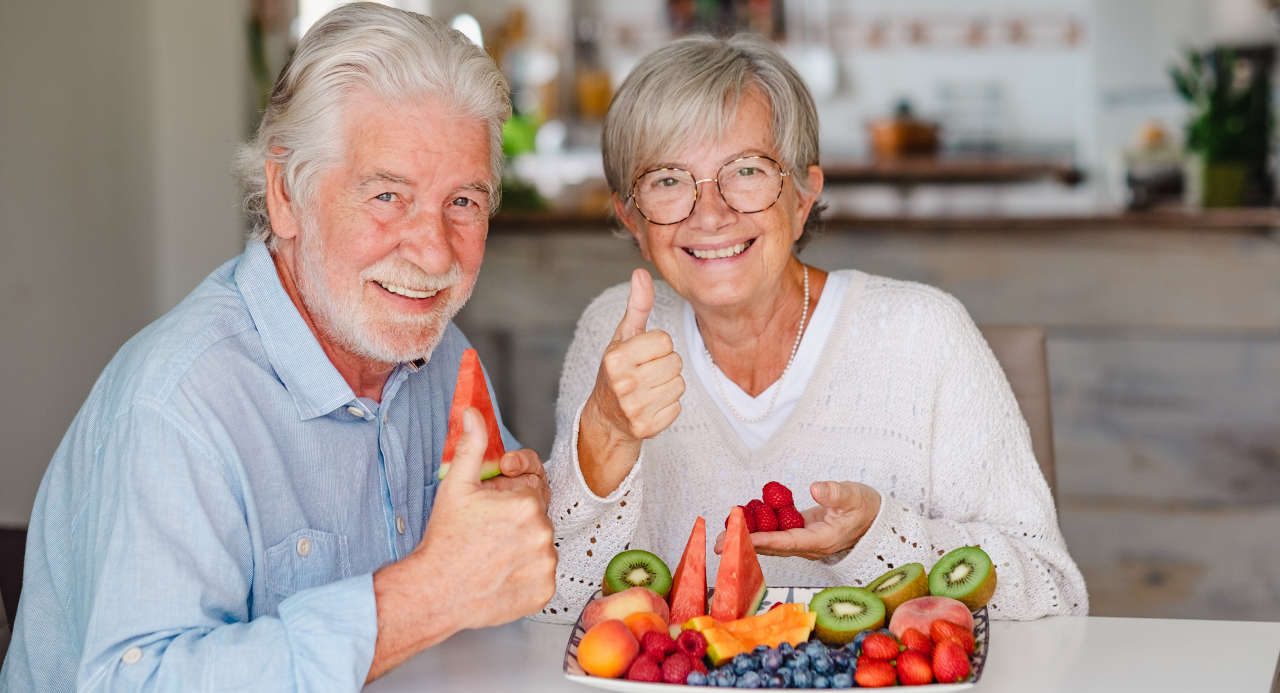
x,y
471,391
688,596
739,581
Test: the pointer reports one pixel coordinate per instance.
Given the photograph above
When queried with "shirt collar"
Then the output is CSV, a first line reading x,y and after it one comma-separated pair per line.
x,y
309,376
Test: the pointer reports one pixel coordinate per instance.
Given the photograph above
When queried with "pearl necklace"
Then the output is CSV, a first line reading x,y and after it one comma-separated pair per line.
x,y
716,374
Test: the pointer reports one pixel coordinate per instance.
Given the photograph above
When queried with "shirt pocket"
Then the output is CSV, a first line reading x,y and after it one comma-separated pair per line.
x,y
304,559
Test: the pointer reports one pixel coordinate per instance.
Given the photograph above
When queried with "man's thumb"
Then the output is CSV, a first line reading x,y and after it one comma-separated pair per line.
x,y
639,303
468,456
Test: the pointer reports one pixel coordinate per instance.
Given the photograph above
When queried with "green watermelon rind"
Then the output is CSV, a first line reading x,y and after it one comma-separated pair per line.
x,y
488,470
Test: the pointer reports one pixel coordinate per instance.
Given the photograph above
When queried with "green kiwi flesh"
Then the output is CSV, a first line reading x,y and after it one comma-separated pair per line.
x,y
966,574
636,568
843,612
901,584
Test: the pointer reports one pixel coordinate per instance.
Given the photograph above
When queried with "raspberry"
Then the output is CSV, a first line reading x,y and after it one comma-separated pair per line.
x,y
790,518
676,668
766,521
692,643
699,666
751,507
645,668
657,644
777,496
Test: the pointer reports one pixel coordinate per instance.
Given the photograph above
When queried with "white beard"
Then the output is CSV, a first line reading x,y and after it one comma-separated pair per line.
x,y
385,337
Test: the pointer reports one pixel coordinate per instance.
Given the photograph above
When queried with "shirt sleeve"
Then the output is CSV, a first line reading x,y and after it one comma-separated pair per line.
x,y
165,583
995,495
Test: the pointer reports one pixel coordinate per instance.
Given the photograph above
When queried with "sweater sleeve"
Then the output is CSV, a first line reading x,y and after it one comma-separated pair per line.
x,y
589,529
987,490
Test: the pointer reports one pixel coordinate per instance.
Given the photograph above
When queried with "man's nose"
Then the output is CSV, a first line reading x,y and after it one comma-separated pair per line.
x,y
424,241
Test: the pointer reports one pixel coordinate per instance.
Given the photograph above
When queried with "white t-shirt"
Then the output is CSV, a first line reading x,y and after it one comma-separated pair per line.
x,y
792,382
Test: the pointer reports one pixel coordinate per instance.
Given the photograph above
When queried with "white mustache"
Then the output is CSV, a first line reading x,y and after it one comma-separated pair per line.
x,y
400,273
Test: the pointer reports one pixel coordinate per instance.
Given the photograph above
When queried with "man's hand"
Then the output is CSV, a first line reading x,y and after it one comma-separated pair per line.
x,y
522,469
486,556
844,512
636,395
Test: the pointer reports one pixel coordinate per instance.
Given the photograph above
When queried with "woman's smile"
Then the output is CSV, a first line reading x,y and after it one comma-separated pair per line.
x,y
723,251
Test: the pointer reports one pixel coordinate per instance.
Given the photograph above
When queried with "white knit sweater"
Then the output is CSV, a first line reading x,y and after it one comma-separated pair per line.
x,y
907,398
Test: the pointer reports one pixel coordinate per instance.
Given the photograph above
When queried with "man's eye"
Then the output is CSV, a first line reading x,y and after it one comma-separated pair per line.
x,y
463,202
386,197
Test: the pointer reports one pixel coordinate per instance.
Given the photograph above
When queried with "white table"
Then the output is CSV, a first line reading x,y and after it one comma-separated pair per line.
x,y
1069,654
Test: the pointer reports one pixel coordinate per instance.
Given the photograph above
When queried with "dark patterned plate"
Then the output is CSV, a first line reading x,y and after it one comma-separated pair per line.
x,y
574,672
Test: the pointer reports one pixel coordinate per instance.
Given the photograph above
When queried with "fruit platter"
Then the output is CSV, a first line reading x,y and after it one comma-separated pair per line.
x,y
648,627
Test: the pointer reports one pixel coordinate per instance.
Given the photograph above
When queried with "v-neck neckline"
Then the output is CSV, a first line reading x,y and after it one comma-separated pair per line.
x,y
820,375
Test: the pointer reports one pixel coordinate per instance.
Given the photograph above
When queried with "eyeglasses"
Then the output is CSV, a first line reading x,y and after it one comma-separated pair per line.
x,y
748,185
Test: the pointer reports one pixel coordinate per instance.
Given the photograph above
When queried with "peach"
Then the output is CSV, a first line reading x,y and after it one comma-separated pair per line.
x,y
622,604
921,612
642,622
608,649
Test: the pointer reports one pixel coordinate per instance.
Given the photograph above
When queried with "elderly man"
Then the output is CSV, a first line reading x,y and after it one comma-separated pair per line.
x,y
248,498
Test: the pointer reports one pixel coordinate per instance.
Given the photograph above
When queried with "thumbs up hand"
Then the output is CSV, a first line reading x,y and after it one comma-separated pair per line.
x,y
637,391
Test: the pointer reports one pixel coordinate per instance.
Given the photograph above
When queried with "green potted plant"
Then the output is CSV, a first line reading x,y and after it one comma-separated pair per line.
x,y
1229,130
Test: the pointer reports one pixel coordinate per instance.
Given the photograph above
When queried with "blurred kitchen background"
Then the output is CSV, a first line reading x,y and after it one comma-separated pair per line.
x,y
1102,168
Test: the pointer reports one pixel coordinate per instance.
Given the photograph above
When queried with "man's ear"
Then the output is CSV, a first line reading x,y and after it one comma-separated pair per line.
x,y
284,223
635,223
805,202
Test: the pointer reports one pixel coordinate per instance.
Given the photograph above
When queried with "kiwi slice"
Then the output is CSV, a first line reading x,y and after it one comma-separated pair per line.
x,y
636,568
966,574
900,584
845,611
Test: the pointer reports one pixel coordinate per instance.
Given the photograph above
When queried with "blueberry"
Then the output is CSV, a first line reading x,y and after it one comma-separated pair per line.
x,y
842,680
785,649
771,660
751,679
840,658
815,647
799,660
725,678
857,640
786,676
760,649
820,681
774,681
821,664
801,678
742,663
696,678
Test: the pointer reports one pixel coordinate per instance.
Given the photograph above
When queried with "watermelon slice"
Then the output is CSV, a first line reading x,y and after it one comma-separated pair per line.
x,y
688,596
471,391
739,582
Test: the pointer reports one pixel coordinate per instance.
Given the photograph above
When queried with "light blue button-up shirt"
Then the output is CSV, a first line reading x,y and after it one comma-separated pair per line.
x,y
213,517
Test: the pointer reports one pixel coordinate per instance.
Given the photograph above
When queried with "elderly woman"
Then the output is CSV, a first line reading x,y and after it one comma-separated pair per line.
x,y
680,398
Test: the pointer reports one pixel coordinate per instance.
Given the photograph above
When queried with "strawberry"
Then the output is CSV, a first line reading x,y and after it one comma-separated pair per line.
x,y
676,668
766,521
914,668
692,643
950,663
657,644
941,630
790,518
913,639
880,646
777,496
645,668
874,673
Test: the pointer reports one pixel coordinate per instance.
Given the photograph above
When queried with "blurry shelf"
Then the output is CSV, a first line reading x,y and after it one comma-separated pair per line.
x,y
949,170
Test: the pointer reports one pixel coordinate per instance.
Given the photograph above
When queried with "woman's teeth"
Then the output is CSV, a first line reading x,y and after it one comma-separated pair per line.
x,y
729,251
411,293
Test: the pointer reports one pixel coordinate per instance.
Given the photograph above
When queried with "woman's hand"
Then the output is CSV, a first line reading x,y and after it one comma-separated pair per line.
x,y
844,512
636,395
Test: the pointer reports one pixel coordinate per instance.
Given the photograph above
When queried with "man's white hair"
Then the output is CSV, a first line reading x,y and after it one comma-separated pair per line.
x,y
395,54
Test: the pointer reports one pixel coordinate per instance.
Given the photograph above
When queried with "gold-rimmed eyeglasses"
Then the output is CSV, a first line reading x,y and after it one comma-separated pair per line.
x,y
747,184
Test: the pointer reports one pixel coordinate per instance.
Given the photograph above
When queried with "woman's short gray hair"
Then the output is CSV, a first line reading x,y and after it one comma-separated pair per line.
x,y
689,90
393,53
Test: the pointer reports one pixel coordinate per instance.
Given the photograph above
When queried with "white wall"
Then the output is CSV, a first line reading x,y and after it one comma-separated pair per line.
x,y
115,196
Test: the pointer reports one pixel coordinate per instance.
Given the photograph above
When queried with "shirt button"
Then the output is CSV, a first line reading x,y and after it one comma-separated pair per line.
x,y
131,655
304,547
400,524
356,411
